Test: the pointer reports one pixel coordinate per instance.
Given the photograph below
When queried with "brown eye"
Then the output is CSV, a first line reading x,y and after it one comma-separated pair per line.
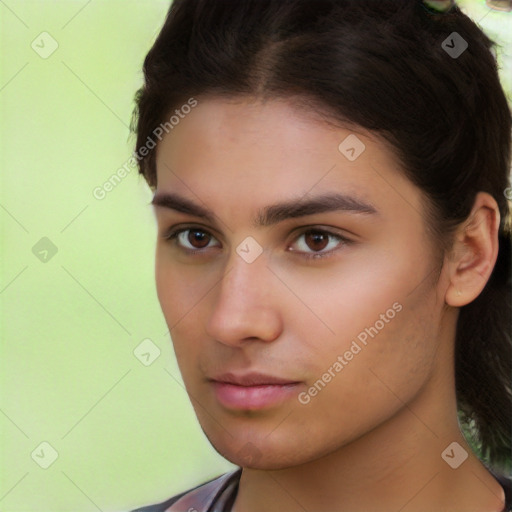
x,y
197,238
312,243
191,239
316,240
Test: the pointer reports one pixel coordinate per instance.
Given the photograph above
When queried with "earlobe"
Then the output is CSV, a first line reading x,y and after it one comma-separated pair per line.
x,y
474,252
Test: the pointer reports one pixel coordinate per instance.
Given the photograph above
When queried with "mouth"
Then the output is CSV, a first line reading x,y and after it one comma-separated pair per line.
x,y
252,391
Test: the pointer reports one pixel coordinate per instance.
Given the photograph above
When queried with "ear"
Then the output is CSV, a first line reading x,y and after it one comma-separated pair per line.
x,y
474,252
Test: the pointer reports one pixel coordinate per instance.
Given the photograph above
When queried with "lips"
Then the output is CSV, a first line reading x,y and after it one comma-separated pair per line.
x,y
252,391
252,379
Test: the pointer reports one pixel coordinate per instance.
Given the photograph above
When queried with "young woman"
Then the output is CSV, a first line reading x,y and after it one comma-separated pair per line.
x,y
333,256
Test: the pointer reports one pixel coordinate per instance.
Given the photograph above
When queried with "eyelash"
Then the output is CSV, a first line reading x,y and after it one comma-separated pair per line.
x,y
172,235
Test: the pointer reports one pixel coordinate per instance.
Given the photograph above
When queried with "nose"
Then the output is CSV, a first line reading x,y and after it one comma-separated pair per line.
x,y
246,305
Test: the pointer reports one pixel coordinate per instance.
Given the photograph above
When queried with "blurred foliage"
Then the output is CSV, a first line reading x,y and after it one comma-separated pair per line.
x,y
497,24
470,432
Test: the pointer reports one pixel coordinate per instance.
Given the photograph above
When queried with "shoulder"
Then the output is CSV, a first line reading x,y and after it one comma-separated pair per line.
x,y
198,498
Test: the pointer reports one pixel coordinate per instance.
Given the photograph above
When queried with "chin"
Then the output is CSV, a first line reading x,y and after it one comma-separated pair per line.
x,y
261,452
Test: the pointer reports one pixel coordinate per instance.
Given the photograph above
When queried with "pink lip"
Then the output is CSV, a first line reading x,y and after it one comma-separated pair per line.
x,y
260,396
252,390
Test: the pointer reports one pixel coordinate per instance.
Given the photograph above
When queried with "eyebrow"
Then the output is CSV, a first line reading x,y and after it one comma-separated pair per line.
x,y
275,213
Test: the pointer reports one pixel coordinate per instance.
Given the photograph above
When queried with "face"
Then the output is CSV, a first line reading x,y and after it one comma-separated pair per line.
x,y
287,250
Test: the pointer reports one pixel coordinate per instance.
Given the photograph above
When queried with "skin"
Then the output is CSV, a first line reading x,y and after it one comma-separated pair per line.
x,y
372,438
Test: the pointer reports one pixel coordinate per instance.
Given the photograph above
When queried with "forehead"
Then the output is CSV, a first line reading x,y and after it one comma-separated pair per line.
x,y
243,150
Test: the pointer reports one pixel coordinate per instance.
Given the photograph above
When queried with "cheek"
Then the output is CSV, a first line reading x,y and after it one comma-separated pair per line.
x,y
376,376
382,342
168,291
180,288
179,295
346,296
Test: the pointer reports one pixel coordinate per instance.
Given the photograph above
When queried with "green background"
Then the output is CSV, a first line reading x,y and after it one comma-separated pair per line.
x,y
77,304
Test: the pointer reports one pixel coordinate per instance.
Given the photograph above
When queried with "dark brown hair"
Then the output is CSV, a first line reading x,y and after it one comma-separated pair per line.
x,y
382,65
